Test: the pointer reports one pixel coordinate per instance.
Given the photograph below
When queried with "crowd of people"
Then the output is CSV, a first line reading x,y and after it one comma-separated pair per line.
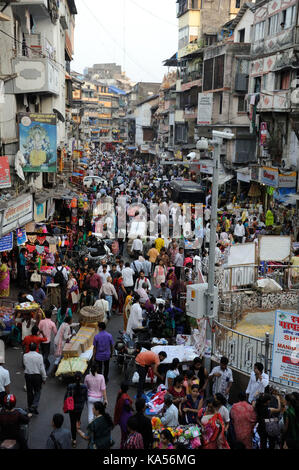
x,y
142,282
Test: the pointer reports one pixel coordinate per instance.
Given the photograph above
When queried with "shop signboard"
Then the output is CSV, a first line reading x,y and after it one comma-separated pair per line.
x,y
288,180
5,181
6,242
38,142
19,212
208,170
285,356
269,176
242,176
40,212
205,109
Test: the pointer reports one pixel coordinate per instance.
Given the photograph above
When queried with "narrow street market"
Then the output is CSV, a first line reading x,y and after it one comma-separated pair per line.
x,y
149,292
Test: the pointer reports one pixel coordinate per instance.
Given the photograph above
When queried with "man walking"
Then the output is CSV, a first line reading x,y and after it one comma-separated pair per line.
x,y
144,424
48,328
223,378
94,282
60,438
103,349
35,376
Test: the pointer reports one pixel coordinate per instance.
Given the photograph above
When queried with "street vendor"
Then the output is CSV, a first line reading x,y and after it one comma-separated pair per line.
x,y
145,360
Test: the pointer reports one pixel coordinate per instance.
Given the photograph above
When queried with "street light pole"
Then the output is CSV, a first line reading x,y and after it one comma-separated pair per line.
x,y
213,227
216,142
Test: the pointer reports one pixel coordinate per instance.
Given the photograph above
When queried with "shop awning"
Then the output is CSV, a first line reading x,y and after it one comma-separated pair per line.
x,y
222,179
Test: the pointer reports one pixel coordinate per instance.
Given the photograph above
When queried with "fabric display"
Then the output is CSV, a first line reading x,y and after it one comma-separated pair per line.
x,y
156,404
182,352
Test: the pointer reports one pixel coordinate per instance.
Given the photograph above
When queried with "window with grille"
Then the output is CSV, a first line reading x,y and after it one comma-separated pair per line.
x,y
218,72
242,108
208,74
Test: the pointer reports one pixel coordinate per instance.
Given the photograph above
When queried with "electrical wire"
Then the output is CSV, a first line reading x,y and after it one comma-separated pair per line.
x,y
153,14
95,18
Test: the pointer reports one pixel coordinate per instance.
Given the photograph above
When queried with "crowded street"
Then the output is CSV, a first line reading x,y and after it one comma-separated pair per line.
x,y
149,228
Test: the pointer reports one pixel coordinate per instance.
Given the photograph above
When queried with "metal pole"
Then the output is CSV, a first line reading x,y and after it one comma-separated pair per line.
x,y
214,220
267,347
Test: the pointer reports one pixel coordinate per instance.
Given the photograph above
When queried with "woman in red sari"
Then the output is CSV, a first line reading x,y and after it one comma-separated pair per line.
x,y
244,419
212,424
172,283
121,292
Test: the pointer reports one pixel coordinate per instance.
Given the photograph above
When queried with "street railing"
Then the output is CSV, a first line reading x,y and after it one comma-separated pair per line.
x,y
243,351
242,277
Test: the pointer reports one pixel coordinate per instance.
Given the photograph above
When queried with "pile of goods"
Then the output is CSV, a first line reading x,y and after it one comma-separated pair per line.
x,y
27,307
188,436
90,316
79,343
72,365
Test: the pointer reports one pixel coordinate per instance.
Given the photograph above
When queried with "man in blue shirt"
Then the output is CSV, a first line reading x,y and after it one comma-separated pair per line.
x,y
103,349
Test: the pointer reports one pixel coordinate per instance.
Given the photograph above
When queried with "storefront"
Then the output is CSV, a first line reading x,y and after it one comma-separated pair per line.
x,y
17,214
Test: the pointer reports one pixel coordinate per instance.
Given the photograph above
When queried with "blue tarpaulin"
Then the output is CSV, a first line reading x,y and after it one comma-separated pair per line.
x,y
118,91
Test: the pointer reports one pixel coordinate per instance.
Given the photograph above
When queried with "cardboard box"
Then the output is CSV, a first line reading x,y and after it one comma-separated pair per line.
x,y
72,349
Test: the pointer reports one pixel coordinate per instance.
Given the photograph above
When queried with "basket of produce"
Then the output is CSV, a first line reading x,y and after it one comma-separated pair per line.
x,y
91,315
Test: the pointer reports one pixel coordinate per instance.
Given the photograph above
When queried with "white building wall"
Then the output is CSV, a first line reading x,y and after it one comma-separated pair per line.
x,y
143,118
245,23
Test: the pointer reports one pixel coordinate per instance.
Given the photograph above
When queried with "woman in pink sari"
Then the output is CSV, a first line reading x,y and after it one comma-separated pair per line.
x,y
159,274
244,419
213,436
4,280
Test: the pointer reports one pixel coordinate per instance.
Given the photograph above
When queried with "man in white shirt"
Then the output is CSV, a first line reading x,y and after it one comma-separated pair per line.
x,y
136,318
222,377
170,413
104,274
142,280
4,376
35,375
137,246
127,274
101,267
239,231
258,381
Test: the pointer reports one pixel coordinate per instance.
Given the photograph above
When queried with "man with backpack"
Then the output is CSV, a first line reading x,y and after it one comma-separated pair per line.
x,y
60,276
60,438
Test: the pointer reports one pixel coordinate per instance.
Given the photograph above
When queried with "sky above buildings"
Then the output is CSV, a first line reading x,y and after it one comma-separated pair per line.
x,y
136,34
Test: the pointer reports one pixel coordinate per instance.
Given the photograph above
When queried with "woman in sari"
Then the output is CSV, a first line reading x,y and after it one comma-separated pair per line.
x,y
243,418
121,292
62,337
99,430
127,305
63,312
122,412
4,280
159,274
172,283
212,427
72,292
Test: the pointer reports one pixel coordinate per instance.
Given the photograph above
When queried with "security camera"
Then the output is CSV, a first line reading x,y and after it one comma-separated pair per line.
x,y
223,135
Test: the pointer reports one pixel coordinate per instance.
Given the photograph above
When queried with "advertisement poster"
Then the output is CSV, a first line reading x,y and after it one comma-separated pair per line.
x,y
21,236
18,213
285,356
39,212
269,176
5,181
288,180
205,108
38,142
6,242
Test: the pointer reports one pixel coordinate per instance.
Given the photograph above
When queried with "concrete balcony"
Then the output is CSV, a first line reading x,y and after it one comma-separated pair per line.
x,y
40,75
36,7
